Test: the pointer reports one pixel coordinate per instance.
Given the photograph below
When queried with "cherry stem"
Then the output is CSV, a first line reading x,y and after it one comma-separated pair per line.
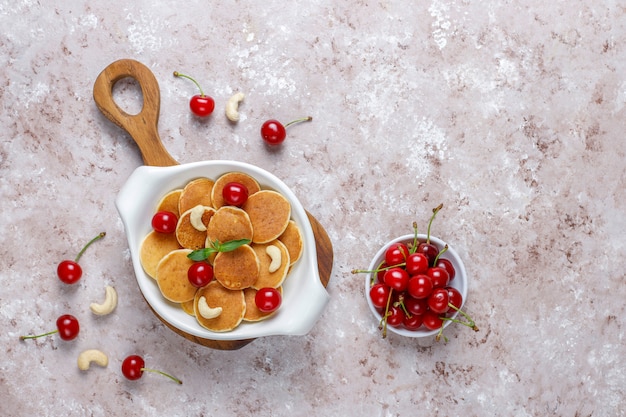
x,y
178,74
304,119
445,248
414,247
469,323
156,371
100,236
383,320
39,335
371,271
435,211
400,303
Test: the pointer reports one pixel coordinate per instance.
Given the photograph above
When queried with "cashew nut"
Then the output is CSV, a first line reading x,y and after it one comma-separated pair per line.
x,y
232,107
109,303
195,217
275,256
206,311
91,355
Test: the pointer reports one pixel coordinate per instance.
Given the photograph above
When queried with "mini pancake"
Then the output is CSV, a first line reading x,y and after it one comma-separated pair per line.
x,y
169,202
267,278
292,238
153,248
171,276
229,223
237,269
232,303
196,192
252,311
250,183
191,227
269,213
187,307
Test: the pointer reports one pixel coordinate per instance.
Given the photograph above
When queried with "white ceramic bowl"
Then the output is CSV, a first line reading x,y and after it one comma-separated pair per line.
x,y
459,282
304,296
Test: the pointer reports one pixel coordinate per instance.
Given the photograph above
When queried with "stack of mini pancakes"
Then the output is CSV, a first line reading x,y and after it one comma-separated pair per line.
x,y
203,218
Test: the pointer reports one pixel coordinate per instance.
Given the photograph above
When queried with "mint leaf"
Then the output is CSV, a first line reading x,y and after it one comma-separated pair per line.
x,y
203,254
231,245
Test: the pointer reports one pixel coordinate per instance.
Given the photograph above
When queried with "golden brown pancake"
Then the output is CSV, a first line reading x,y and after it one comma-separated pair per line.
x,y
292,238
153,248
196,192
171,276
267,278
250,183
237,269
232,303
187,307
169,202
192,236
252,311
229,223
269,213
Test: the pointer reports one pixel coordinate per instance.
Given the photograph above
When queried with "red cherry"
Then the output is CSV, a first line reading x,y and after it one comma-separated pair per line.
x,y
439,277
164,222
67,328
133,368
455,298
235,194
438,300
396,254
416,263
379,294
200,274
447,265
396,278
395,316
414,306
274,133
431,320
420,286
69,271
429,250
267,299
412,322
201,105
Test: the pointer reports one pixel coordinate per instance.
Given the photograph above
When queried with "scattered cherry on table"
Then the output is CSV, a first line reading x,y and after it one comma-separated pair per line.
x,y
134,366
69,271
274,132
67,328
200,104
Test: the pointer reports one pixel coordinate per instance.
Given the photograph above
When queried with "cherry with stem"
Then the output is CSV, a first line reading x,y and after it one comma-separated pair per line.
x,y
469,322
69,271
431,251
67,328
134,366
200,104
274,132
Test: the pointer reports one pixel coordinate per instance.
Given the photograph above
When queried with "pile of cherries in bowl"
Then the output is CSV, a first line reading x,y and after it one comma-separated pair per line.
x,y
416,285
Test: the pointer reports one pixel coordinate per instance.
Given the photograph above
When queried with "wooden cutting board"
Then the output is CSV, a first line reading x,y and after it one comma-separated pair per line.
x,y
143,129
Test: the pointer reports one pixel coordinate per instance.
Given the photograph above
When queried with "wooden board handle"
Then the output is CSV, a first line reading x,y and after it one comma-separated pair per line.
x,y
143,126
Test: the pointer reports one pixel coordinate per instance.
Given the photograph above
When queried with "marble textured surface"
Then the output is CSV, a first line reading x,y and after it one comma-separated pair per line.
x,y
510,113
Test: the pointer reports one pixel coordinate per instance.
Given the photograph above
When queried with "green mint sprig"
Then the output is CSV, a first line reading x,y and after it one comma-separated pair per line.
x,y
216,246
